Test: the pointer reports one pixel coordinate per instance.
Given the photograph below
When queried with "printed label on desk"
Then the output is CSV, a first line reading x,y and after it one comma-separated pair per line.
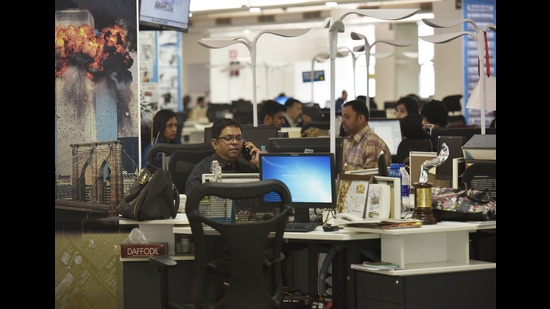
x,y
143,250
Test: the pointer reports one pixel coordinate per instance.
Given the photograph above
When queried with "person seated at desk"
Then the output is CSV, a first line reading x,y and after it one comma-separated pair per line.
x,y
407,105
294,116
228,143
364,145
165,127
272,114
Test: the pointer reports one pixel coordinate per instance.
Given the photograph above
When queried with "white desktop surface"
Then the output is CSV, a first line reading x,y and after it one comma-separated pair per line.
x,y
181,218
317,234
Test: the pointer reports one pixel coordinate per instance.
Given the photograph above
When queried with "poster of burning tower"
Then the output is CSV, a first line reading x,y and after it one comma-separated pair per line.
x,y
96,98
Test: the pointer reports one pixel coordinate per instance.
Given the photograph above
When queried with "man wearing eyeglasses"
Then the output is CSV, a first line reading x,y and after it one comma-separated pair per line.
x,y
228,143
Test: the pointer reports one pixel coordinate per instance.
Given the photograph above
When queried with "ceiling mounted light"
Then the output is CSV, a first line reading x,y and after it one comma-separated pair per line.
x,y
254,10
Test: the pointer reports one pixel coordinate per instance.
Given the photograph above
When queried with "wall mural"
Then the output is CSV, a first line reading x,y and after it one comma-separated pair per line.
x,y
97,99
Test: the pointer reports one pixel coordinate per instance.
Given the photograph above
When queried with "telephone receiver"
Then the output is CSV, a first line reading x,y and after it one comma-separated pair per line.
x,y
344,218
246,153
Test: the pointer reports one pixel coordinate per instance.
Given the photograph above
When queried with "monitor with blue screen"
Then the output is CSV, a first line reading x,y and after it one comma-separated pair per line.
x,y
310,177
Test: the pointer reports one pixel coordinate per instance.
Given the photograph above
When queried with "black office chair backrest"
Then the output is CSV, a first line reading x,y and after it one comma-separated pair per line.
x,y
181,159
410,144
245,272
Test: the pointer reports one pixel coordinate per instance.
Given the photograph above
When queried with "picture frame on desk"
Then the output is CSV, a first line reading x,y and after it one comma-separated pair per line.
x,y
352,194
395,194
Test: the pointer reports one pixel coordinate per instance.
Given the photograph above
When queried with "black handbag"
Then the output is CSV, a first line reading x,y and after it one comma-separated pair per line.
x,y
152,196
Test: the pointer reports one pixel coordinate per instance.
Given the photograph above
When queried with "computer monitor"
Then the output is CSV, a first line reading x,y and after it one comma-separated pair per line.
x,y
258,135
310,178
389,130
308,144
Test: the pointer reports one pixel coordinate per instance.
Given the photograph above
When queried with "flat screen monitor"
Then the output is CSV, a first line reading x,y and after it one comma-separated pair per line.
x,y
164,15
310,178
389,130
308,144
258,135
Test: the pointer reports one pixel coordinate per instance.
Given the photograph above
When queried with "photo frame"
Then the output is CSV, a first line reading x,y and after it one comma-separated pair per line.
x,y
352,194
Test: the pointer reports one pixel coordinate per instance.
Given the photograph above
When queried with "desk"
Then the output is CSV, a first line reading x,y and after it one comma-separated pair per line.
x,y
435,270
141,283
351,244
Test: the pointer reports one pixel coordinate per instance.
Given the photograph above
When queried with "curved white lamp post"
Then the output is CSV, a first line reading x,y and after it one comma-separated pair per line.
x,y
251,45
354,57
479,37
334,27
367,48
322,57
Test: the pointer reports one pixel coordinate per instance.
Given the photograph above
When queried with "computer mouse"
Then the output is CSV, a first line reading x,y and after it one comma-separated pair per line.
x,y
330,228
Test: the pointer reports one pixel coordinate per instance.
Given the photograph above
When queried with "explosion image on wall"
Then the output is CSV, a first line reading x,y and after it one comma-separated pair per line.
x,y
96,92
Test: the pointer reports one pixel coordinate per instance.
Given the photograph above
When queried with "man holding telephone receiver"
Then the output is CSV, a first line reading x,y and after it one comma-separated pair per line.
x,y
233,152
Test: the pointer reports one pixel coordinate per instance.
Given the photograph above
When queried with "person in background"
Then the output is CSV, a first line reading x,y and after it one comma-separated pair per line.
x,y
272,114
228,143
407,110
186,104
493,124
164,127
405,106
341,100
201,103
294,116
364,145
434,114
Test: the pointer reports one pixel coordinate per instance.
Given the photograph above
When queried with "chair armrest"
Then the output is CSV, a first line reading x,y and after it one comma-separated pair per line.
x,y
162,262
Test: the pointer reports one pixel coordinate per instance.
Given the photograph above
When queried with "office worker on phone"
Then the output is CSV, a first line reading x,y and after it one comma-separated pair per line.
x,y
233,152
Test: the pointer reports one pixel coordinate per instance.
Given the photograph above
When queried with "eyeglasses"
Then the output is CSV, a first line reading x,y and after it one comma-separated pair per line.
x,y
228,139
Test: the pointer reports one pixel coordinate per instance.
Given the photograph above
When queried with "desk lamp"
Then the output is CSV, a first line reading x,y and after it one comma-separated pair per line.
x,y
479,36
334,27
251,46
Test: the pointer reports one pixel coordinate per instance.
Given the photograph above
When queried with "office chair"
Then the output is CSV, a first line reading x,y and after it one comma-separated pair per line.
x,y
237,239
181,159
411,144
452,103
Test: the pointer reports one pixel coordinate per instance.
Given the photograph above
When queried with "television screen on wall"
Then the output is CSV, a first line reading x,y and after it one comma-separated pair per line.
x,y
164,15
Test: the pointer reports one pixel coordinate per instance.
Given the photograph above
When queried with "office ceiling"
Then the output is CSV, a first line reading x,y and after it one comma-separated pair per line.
x,y
212,14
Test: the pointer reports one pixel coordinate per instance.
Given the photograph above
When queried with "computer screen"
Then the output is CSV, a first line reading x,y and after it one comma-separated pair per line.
x,y
310,178
164,15
258,135
308,144
389,130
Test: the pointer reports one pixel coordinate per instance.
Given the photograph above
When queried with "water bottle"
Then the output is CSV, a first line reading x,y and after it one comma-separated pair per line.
x,y
405,187
213,165
394,172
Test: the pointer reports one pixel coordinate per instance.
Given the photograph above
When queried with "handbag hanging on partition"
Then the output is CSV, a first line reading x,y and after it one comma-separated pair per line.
x,y
152,196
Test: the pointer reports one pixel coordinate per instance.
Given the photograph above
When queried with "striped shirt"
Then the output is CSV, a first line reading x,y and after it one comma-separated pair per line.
x,y
363,149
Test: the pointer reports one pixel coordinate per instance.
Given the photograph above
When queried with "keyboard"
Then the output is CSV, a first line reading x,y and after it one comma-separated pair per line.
x,y
301,226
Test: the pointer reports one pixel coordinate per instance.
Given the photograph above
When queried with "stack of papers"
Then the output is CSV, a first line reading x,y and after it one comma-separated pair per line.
x,y
388,224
